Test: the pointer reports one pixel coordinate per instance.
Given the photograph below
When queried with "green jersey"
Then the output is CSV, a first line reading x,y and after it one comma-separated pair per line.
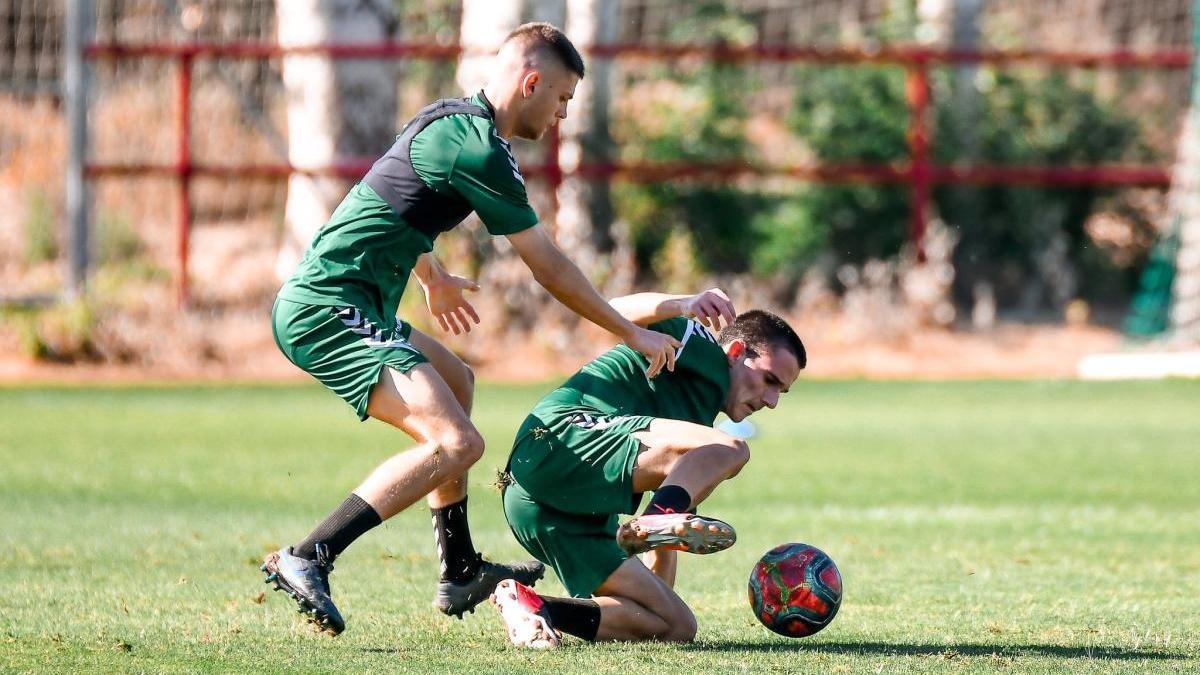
x,y
615,383
448,161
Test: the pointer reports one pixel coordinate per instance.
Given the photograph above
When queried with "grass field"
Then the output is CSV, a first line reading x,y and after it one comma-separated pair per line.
x,y
979,527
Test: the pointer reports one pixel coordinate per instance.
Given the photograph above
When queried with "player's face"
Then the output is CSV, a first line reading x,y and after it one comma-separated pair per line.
x,y
756,381
546,94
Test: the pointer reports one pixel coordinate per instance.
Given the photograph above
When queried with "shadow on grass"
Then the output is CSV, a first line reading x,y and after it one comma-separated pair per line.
x,y
945,651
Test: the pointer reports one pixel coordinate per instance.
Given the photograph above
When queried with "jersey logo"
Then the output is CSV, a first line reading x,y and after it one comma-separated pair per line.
x,y
371,334
595,423
694,327
512,161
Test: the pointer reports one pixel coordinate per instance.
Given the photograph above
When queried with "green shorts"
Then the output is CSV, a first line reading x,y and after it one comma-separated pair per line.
x,y
572,473
345,348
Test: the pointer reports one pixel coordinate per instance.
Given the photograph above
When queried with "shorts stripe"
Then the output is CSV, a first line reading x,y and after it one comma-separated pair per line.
x,y
371,334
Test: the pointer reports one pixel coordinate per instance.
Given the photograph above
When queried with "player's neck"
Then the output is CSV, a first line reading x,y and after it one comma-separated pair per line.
x,y
504,110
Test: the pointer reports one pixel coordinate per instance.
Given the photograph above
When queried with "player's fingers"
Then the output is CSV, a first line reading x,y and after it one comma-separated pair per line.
x,y
450,319
462,320
470,310
714,313
717,316
655,366
442,322
728,311
670,356
467,284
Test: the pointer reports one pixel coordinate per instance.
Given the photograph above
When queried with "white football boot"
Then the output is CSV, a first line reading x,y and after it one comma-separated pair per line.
x,y
521,609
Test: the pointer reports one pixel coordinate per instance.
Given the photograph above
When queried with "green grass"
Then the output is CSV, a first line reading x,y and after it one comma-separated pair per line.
x,y
979,526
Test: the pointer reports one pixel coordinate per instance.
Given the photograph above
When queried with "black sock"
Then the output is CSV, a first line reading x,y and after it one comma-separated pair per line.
x,y
576,616
669,499
455,550
347,523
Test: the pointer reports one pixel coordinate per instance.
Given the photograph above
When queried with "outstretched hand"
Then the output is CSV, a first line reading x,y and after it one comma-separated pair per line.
x,y
710,308
447,304
659,348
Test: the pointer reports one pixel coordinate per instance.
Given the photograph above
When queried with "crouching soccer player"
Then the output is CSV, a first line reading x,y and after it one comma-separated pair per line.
x,y
590,449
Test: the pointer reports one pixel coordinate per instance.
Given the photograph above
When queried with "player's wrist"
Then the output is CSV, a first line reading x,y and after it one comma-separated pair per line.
x,y
627,330
434,276
682,305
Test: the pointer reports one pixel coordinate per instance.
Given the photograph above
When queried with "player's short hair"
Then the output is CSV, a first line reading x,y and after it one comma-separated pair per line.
x,y
759,328
553,40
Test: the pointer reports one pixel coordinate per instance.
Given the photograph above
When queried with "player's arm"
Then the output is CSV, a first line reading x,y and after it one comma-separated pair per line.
x,y
444,294
558,275
709,307
485,173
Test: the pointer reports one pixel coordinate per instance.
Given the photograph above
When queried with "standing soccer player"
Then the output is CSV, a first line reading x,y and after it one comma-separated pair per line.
x,y
590,449
335,317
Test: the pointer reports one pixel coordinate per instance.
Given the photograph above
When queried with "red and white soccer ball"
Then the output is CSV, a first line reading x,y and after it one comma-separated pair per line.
x,y
795,590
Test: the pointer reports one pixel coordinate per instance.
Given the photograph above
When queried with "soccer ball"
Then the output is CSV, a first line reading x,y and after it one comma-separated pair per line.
x,y
795,590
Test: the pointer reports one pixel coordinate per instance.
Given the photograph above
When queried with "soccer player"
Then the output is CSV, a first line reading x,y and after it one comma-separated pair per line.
x,y
590,449
335,317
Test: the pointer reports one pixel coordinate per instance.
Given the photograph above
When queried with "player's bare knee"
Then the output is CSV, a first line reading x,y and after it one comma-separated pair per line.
x,y
682,627
739,455
462,447
684,632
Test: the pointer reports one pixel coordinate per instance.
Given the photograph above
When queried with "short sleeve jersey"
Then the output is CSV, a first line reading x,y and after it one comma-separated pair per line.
x,y
615,383
448,161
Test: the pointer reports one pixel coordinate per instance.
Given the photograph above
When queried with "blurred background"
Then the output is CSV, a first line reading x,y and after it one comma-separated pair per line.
x,y
928,188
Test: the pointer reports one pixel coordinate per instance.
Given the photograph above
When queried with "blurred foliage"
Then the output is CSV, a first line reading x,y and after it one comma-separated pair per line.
x,y
41,242
116,240
854,114
436,20
859,114
702,120
1043,118
62,332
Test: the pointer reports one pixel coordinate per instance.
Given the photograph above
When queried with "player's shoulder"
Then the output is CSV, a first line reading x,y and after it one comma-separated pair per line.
x,y
482,152
482,140
455,128
465,138
683,328
674,326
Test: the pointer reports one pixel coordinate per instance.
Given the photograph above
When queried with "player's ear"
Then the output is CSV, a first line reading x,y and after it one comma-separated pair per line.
x,y
735,349
531,80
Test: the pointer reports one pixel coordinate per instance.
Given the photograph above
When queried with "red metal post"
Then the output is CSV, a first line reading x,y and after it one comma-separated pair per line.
x,y
920,169
183,171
